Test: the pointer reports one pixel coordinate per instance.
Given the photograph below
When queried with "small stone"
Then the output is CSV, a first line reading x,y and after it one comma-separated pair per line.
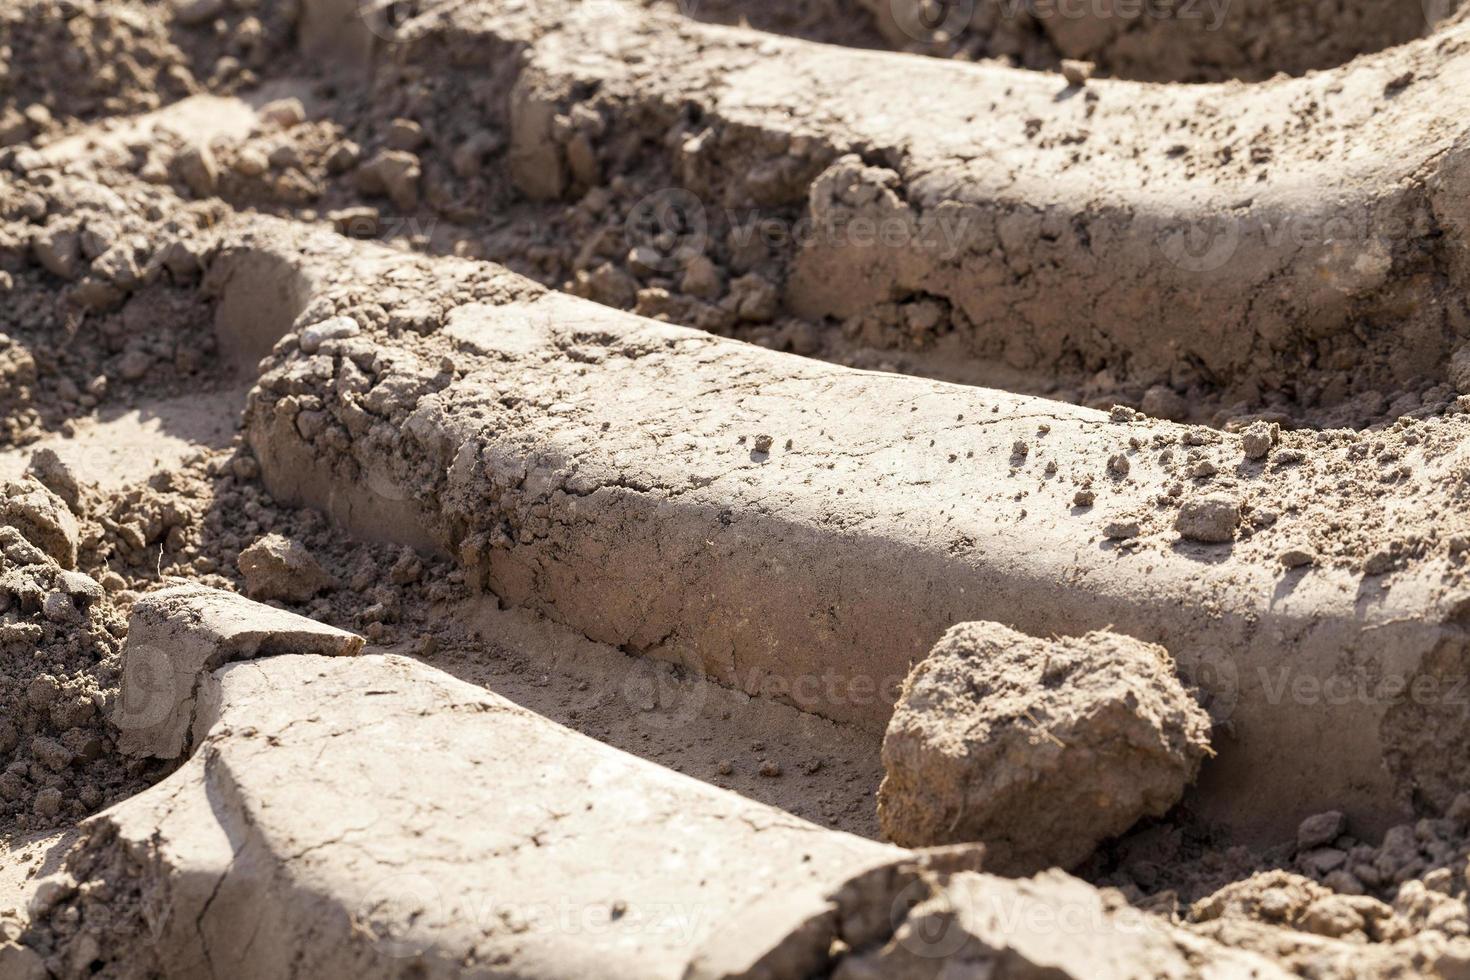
x,y
1298,557
1378,563
58,607
23,963
1083,498
1076,72
763,443
1163,402
244,468
285,157
1440,880
1459,810
753,299
198,169
923,317
51,753
134,364
1258,438
48,802
394,174
57,476
1323,860
724,767
609,285
1320,829
770,769
277,567
55,889
645,260
343,157
1118,465
284,113
251,162
409,568
58,249
80,586
363,221
1121,530
702,278
1331,916
310,423
582,160
1211,520
803,338
1343,883
336,328
404,134
468,158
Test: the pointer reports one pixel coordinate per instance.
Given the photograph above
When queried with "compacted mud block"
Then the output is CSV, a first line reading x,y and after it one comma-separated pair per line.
x,y
363,816
1040,748
807,532
176,636
372,817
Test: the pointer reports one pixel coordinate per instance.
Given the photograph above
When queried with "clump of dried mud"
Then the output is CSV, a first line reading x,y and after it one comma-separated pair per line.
x,y
1040,748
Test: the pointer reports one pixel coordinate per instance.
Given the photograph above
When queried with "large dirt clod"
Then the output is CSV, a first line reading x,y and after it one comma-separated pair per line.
x,y
275,567
1039,748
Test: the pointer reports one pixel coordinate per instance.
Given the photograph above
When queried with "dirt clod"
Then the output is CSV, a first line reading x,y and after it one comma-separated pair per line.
x,y
277,567
1038,748
43,519
1320,829
1211,519
1258,439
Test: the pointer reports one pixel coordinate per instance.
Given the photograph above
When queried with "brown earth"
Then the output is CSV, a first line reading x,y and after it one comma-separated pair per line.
x,y
267,269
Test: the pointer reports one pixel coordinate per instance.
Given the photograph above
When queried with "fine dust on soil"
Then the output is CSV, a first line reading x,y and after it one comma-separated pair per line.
x,y
135,409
